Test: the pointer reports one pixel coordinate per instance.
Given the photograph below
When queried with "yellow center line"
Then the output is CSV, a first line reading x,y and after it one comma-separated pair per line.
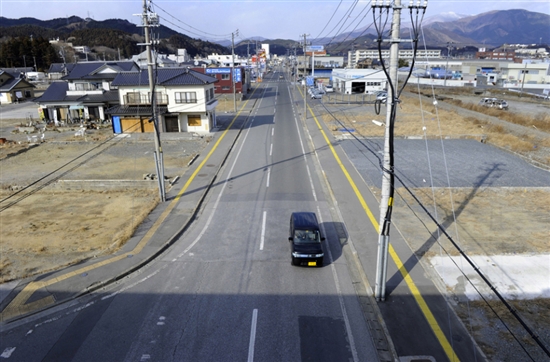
x,y
17,306
406,276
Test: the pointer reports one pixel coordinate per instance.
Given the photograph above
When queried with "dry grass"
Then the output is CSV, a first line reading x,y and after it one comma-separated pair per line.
x,y
92,224
419,117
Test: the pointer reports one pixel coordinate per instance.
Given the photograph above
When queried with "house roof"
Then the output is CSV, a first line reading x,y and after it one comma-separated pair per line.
x,y
60,67
90,70
57,92
12,81
165,77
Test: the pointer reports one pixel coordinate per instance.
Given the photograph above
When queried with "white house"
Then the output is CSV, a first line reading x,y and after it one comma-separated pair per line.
x,y
184,98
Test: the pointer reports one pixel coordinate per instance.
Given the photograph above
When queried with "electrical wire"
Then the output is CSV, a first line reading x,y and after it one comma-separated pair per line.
x,y
329,20
221,36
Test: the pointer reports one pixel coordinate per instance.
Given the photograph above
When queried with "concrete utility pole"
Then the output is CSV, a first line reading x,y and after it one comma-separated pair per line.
x,y
447,66
304,81
387,180
159,161
233,69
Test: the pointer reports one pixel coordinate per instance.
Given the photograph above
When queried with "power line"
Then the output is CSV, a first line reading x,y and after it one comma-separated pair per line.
x,y
190,26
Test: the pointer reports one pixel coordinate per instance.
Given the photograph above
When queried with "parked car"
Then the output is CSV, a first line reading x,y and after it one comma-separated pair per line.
x,y
381,96
316,96
329,89
494,103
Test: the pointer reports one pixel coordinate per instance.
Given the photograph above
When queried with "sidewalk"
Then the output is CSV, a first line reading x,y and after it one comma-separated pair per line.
x,y
162,227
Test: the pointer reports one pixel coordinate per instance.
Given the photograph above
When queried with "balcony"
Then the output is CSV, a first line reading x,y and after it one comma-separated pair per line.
x,y
134,99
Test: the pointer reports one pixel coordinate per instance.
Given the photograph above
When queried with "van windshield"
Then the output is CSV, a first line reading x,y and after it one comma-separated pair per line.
x,y
306,236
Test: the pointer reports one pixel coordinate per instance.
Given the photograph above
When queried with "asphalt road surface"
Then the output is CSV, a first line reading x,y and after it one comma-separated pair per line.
x,y
226,290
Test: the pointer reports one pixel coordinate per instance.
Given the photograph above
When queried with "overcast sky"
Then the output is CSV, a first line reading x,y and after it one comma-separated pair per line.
x,y
272,19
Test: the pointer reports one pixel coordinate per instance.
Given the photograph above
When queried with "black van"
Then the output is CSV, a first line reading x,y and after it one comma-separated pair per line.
x,y
305,239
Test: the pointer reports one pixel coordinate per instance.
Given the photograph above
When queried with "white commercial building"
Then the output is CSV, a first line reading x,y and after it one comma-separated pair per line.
x,y
351,81
359,54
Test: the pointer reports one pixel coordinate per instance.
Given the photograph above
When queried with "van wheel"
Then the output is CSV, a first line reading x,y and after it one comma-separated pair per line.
x,y
292,261
320,263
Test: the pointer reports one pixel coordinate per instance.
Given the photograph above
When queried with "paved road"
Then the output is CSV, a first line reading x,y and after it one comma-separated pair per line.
x,y
225,291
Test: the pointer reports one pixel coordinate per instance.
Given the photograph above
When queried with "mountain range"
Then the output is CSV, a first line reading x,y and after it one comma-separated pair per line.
x,y
490,29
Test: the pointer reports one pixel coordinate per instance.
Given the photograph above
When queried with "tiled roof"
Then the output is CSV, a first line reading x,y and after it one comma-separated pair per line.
x,y
87,70
13,82
57,92
60,67
165,77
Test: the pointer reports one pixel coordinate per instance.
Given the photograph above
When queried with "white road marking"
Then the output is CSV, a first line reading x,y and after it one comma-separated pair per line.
x,y
305,159
339,291
271,150
8,351
272,132
215,207
252,336
268,177
263,231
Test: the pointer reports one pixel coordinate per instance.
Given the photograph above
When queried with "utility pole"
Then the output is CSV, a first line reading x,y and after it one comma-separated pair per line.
x,y
524,71
233,69
386,201
305,62
447,66
159,161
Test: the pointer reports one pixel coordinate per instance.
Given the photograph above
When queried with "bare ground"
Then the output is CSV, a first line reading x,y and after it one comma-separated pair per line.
x,y
45,226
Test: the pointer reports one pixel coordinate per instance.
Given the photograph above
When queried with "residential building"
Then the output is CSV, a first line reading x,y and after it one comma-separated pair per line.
x,y
84,93
184,99
14,87
226,60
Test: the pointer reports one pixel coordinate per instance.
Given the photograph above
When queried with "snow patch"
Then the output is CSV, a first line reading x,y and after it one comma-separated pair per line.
x,y
514,276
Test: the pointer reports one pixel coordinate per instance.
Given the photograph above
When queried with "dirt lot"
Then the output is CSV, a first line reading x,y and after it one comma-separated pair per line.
x,y
45,226
53,227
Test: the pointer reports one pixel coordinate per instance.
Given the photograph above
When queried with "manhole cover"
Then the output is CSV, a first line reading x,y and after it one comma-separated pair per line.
x,y
210,165
202,174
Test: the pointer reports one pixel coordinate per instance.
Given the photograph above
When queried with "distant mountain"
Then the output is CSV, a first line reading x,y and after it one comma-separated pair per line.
x,y
112,33
495,28
442,17
489,29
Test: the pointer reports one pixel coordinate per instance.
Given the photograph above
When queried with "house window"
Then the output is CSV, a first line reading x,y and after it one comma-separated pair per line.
x,y
225,87
133,98
226,76
186,97
193,121
211,93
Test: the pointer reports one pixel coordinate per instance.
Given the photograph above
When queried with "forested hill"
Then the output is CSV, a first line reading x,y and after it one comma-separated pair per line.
x,y
107,38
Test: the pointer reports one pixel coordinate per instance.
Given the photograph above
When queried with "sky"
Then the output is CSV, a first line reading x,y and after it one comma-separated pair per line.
x,y
272,19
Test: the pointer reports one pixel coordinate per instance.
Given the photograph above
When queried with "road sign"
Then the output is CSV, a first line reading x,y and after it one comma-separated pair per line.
x,y
315,48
